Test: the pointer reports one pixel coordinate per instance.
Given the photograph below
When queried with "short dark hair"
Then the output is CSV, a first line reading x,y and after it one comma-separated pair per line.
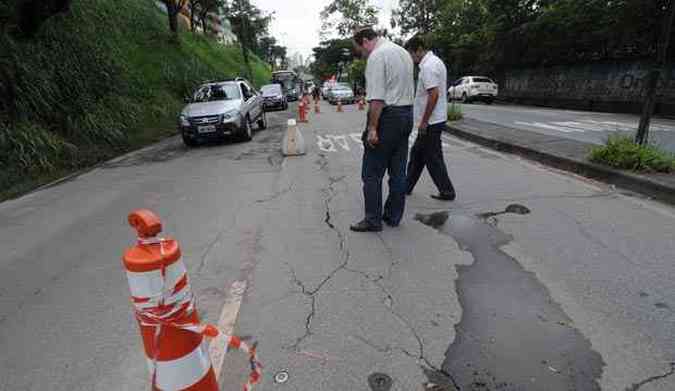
x,y
415,43
364,33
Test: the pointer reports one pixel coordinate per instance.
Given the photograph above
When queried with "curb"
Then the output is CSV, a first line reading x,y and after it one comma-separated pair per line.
x,y
638,183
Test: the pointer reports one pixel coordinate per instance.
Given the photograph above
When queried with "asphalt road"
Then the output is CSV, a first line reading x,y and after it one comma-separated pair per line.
x,y
576,290
589,127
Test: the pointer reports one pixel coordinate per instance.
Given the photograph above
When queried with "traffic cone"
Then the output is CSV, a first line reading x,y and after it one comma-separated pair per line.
x,y
301,112
339,106
293,143
173,338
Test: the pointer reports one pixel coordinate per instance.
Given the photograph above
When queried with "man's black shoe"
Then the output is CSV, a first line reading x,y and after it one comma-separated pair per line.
x,y
364,226
444,197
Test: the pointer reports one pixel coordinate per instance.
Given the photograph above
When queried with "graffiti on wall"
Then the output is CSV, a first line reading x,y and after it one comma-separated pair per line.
x,y
598,82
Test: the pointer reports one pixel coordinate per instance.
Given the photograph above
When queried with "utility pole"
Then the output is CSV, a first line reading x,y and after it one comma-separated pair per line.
x,y
642,135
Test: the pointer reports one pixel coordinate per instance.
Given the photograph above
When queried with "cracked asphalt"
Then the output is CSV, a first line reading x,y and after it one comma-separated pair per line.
x,y
330,307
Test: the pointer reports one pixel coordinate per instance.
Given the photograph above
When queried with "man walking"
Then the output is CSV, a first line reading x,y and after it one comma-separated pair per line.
x,y
431,115
389,89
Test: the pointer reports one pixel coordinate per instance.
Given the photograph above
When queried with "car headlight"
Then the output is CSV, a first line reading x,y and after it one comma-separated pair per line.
x,y
183,120
227,117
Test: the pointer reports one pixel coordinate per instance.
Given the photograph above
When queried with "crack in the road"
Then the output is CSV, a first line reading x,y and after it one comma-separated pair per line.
x,y
389,302
208,249
637,386
329,193
394,260
276,195
322,162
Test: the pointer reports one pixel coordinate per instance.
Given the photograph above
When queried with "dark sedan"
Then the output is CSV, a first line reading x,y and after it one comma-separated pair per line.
x,y
274,97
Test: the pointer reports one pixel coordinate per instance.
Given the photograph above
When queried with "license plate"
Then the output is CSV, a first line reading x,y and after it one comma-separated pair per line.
x,y
206,129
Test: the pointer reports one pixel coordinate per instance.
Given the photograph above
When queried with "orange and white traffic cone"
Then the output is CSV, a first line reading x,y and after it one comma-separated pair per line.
x,y
173,337
301,112
339,106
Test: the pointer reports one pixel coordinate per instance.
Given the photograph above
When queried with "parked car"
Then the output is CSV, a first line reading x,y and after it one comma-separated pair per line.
x,y
221,109
473,88
274,97
342,93
324,90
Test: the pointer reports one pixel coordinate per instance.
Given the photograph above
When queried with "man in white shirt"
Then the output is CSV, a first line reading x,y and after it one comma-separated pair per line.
x,y
430,115
390,93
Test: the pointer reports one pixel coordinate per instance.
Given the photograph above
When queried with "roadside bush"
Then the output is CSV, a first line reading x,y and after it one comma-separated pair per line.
x,y
455,112
621,152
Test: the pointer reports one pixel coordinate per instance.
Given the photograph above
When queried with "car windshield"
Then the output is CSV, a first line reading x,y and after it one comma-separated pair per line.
x,y
271,90
341,89
482,80
217,92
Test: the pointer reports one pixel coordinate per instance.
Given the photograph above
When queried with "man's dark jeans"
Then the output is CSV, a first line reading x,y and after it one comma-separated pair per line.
x,y
391,155
427,151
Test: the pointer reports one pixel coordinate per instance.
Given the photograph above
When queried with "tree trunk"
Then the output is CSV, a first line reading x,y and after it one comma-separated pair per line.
x,y
193,18
642,136
173,22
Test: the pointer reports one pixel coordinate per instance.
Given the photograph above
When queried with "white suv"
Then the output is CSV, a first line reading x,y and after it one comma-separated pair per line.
x,y
472,88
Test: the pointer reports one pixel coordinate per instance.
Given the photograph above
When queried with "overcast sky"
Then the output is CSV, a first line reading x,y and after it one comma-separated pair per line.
x,y
296,23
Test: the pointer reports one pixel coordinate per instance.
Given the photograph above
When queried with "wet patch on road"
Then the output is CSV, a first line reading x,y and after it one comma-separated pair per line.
x,y
512,335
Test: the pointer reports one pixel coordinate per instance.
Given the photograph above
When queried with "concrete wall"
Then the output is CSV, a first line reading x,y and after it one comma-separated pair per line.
x,y
604,87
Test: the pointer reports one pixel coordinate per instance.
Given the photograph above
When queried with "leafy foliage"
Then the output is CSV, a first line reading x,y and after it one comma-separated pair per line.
x,y
484,36
417,16
68,101
455,112
328,56
344,16
621,152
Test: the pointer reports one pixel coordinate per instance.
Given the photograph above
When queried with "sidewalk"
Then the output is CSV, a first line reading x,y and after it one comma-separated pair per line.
x,y
562,153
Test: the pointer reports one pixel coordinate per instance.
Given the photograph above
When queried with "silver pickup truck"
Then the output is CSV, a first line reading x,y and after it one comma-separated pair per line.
x,y
222,109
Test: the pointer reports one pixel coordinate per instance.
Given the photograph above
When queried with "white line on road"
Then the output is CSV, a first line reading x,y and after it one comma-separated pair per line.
x,y
228,318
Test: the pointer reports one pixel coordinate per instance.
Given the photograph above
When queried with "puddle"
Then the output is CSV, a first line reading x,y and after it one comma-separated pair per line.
x,y
512,335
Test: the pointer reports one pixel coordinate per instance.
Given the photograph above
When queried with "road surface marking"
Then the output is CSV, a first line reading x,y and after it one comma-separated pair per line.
x,y
341,142
228,318
325,143
546,126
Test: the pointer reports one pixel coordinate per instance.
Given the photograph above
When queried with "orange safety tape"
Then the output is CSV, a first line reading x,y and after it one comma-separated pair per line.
x,y
177,314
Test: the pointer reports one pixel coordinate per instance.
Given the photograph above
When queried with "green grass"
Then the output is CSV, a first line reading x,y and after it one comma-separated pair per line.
x,y
101,80
621,152
455,112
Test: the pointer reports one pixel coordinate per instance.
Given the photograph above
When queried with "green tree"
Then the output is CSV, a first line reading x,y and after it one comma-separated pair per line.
x,y
417,15
329,55
343,16
173,8
207,7
357,73
249,23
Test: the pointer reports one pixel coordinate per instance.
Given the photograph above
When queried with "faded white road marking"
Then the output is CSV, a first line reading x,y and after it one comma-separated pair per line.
x,y
342,141
325,144
356,137
228,318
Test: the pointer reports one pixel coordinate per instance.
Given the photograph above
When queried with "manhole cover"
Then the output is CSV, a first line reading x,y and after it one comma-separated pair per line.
x,y
281,377
379,382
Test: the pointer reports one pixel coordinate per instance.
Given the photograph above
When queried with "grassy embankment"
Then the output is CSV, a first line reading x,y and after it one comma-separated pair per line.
x,y
99,81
